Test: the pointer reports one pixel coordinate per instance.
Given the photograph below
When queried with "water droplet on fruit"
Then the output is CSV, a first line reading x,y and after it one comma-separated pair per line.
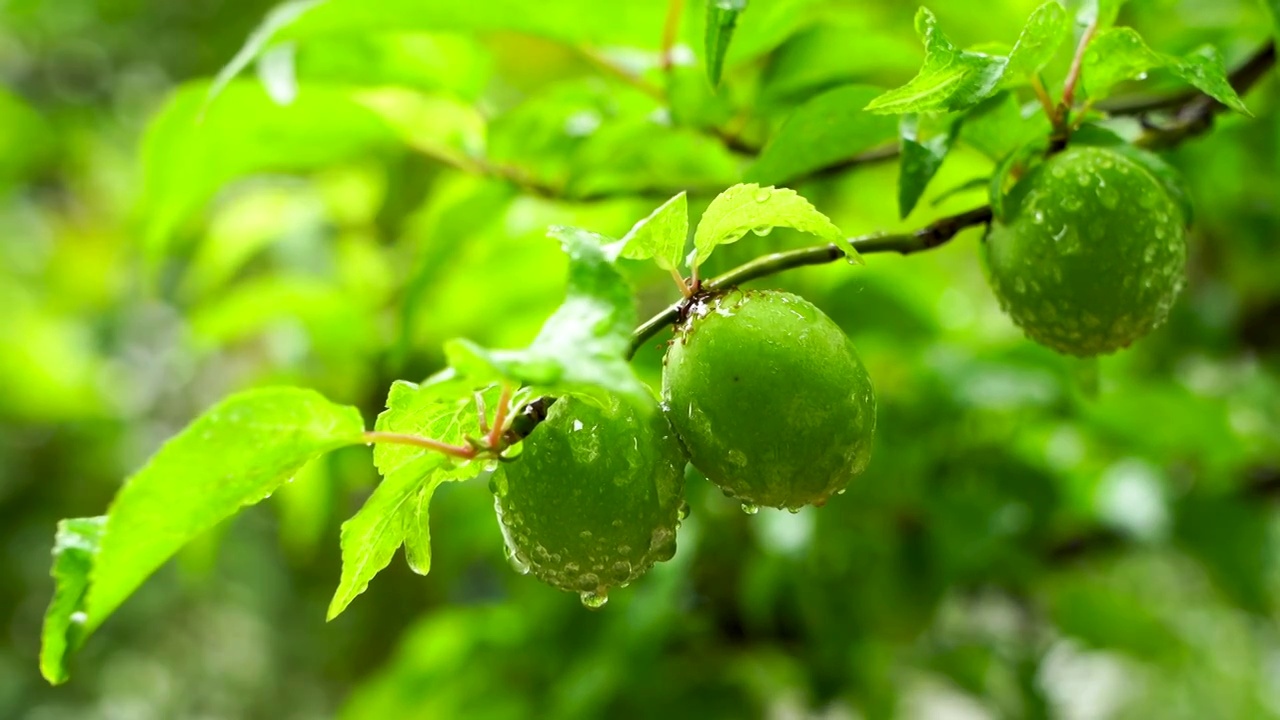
x,y
763,195
1108,196
518,561
588,582
620,572
683,512
750,509
594,600
1059,172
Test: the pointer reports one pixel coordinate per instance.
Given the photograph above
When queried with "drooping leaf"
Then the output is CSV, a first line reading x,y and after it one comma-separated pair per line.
x,y
831,127
951,79
371,537
722,18
417,529
74,546
919,161
1120,54
1041,37
751,208
396,512
1203,68
583,346
235,454
660,236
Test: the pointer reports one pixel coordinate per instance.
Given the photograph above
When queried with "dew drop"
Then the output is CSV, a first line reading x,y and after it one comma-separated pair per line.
x,y
763,195
683,512
593,600
762,230
750,509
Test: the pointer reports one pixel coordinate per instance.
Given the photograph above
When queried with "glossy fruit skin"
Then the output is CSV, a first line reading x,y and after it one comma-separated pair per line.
x,y
1091,254
594,498
770,398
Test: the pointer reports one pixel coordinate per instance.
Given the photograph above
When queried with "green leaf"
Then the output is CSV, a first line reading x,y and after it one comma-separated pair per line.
x,y
1120,54
831,127
583,346
371,537
417,529
244,133
1041,37
1000,125
660,236
722,18
919,162
1102,13
951,79
1273,8
233,455
637,155
1203,68
1004,178
396,512
751,208
74,546
574,21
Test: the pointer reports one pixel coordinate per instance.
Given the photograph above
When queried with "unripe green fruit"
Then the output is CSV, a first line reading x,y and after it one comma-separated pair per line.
x,y
1092,252
770,398
594,498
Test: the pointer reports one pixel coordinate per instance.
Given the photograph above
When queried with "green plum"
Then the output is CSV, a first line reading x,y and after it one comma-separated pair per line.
x,y
594,498
1091,253
770,398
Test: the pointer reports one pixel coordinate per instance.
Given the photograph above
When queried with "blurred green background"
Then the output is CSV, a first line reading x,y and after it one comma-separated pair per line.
x,y
1025,544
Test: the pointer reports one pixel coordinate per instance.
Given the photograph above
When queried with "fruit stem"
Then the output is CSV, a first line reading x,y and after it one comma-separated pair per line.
x,y
500,417
684,286
1062,117
458,451
1050,109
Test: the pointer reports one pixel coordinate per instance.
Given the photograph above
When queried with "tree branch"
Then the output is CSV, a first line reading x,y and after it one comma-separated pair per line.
x,y
1195,116
936,233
